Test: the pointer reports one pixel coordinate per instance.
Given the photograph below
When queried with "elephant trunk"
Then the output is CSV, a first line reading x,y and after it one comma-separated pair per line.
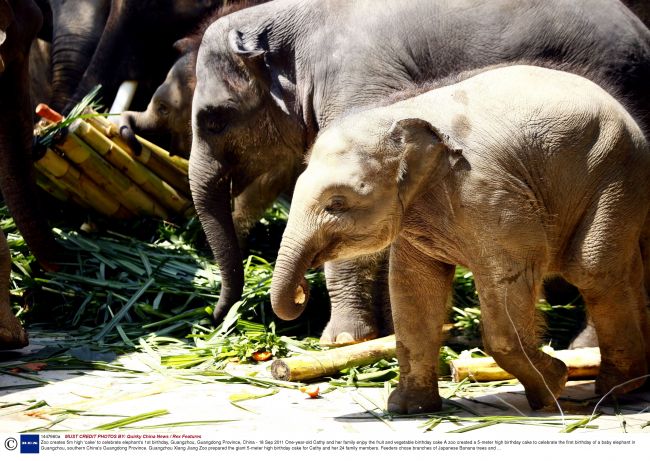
x,y
132,122
210,186
289,289
16,166
73,45
68,66
107,65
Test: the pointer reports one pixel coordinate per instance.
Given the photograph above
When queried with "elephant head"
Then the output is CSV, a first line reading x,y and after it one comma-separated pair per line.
x,y
20,20
169,110
363,174
246,146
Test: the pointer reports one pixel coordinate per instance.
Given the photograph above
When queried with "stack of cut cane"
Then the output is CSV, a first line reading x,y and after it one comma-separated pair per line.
x,y
92,166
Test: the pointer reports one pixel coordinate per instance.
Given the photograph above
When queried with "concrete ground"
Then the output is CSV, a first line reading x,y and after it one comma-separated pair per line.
x,y
84,399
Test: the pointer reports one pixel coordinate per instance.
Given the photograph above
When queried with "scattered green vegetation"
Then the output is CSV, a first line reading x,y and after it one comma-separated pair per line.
x,y
148,287
151,279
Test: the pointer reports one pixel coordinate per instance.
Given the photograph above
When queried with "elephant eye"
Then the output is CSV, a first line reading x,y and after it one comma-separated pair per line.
x,y
216,120
215,126
337,204
162,109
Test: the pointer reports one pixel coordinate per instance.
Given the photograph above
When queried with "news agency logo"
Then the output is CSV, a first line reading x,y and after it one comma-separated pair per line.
x,y
29,443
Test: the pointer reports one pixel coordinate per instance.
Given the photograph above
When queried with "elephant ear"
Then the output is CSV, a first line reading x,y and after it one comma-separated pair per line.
x,y
6,18
186,45
424,153
256,60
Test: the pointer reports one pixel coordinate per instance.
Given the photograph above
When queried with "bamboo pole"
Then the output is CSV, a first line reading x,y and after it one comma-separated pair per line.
x,y
144,178
62,173
581,363
306,367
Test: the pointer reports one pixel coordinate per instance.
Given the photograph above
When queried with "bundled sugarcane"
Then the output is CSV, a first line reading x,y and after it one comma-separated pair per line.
x,y
85,161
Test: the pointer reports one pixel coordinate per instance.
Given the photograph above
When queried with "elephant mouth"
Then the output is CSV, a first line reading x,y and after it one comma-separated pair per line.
x,y
329,253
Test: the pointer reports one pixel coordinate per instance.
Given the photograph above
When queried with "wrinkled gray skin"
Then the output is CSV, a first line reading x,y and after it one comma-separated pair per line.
x,y
137,44
269,78
516,173
20,20
74,28
40,78
169,110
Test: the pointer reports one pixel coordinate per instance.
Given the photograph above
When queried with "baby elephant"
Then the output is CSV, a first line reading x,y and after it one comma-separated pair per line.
x,y
516,173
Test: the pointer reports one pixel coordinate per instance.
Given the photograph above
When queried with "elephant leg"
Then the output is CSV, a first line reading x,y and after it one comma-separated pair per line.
x,y
12,334
420,288
509,329
359,297
255,199
619,311
610,274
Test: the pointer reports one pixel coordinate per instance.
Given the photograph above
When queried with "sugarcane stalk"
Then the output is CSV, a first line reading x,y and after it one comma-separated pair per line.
x,y
104,174
306,367
179,162
581,363
165,168
51,187
142,177
120,155
172,169
62,173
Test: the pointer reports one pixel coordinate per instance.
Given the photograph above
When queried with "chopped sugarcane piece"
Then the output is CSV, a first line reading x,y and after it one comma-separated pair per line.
x,y
179,162
52,188
309,366
172,169
144,178
105,175
581,363
62,173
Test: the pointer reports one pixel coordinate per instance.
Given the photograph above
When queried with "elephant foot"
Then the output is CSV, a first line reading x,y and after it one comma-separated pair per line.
x,y
13,336
620,380
411,400
543,394
340,332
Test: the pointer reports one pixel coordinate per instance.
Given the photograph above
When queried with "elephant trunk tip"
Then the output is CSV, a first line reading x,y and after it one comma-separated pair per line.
x,y
288,309
127,133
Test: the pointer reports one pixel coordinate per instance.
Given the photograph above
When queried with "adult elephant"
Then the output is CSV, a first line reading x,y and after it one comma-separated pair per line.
x,y
269,78
20,20
136,43
73,29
